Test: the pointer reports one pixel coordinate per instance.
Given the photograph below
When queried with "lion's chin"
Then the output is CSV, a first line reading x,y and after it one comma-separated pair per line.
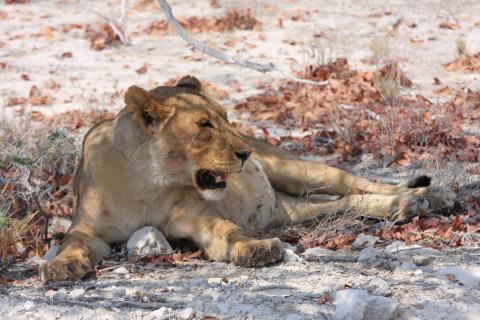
x,y
213,194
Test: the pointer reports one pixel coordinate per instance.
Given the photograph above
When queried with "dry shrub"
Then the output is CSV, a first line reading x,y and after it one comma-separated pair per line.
x,y
36,168
233,20
356,113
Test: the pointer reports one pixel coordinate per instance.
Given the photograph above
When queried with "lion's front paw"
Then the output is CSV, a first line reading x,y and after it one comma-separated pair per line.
x,y
65,268
256,253
440,199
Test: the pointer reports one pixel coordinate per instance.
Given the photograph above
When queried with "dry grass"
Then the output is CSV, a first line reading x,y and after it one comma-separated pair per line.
x,y
380,48
36,166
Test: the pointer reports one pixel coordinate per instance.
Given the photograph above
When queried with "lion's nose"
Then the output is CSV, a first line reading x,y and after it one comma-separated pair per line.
x,y
243,155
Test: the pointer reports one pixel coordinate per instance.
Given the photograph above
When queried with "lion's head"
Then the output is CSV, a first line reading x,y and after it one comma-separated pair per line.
x,y
189,138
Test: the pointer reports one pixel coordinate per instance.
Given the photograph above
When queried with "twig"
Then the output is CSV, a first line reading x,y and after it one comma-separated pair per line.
x,y
45,216
264,68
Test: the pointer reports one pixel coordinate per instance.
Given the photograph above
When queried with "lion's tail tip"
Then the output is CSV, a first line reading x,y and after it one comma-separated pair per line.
x,y
420,181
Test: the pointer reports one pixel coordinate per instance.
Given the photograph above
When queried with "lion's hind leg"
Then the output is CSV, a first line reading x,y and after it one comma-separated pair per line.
x,y
393,207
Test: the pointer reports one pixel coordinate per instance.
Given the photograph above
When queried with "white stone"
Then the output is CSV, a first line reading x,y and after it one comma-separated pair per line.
x,y
398,249
121,270
467,278
186,314
148,240
135,292
355,304
59,295
369,254
364,240
28,305
51,253
377,286
406,266
422,260
313,254
117,291
160,314
290,256
287,245
76,293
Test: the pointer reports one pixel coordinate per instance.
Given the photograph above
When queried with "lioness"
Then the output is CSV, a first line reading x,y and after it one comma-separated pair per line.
x,y
171,159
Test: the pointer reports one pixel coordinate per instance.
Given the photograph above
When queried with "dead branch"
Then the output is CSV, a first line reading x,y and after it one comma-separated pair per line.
x,y
197,44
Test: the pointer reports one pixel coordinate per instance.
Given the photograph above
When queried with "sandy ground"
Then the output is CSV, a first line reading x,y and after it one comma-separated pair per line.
x,y
32,44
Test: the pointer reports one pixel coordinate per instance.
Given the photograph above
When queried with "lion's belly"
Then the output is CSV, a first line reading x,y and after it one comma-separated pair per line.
x,y
250,200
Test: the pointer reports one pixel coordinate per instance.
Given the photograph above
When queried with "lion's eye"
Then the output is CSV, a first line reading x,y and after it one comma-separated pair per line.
x,y
205,123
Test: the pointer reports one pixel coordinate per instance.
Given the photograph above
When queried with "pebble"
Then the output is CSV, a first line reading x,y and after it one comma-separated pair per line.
x,y
421,261
317,253
148,241
398,249
369,254
121,270
76,293
117,292
356,304
406,266
364,240
28,305
377,286
135,292
58,295
289,256
186,314
160,314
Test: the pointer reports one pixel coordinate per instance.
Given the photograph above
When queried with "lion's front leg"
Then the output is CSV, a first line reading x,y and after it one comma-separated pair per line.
x,y
75,258
221,239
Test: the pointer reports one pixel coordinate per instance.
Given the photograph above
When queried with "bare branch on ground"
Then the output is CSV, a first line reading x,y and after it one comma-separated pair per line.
x,y
197,44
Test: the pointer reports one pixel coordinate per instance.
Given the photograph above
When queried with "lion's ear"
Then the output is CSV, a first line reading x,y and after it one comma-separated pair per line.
x,y
147,112
190,82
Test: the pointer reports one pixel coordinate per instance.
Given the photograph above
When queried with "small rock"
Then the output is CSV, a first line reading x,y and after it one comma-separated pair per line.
x,y
421,261
148,241
398,249
418,272
121,270
21,250
186,314
377,286
317,253
134,292
160,314
28,305
290,256
467,278
369,254
406,266
355,304
76,293
51,253
287,245
117,292
363,240
59,295
386,264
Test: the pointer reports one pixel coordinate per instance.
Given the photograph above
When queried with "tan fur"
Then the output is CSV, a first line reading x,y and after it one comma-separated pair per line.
x,y
139,169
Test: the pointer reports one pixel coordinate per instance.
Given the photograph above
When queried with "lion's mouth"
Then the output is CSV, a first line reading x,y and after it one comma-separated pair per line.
x,y
207,179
